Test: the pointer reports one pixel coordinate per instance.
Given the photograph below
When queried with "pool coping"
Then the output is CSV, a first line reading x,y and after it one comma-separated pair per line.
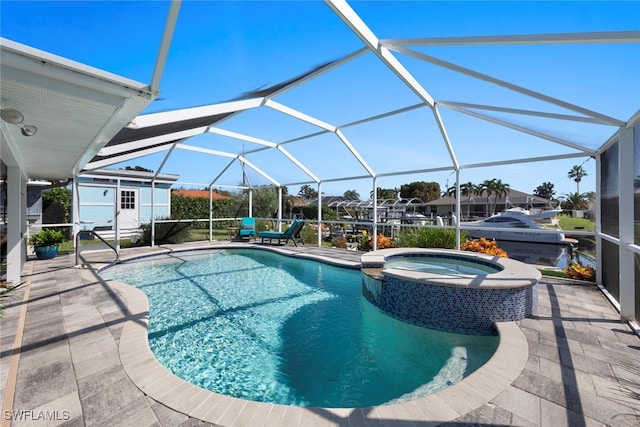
x,y
156,381
513,274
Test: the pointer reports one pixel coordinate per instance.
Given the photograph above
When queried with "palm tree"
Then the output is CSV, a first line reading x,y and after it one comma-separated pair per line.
x,y
352,194
384,193
501,189
487,186
450,192
575,201
577,173
469,189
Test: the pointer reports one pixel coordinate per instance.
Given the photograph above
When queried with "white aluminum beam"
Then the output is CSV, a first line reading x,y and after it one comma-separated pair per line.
x,y
265,143
299,164
523,160
347,178
383,115
357,122
445,137
355,153
526,130
207,151
558,38
163,163
416,171
242,137
222,172
357,25
228,155
451,104
167,36
298,115
505,84
259,171
626,176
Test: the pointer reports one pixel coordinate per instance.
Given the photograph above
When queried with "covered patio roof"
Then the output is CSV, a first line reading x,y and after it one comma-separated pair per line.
x,y
74,110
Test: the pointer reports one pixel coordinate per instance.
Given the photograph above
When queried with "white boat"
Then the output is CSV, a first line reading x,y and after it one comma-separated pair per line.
x,y
520,225
536,214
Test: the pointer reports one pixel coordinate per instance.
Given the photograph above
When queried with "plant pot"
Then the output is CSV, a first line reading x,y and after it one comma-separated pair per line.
x,y
46,252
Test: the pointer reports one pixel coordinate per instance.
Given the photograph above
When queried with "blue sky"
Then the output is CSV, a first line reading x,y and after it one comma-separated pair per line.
x,y
221,50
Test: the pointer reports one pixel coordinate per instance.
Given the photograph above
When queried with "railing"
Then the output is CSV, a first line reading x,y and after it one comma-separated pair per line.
x,y
92,233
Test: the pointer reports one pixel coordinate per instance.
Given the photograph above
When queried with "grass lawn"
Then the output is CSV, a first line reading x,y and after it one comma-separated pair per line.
x,y
200,234
571,223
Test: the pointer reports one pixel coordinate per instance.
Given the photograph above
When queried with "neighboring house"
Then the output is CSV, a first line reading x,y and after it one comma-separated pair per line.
x,y
104,192
477,206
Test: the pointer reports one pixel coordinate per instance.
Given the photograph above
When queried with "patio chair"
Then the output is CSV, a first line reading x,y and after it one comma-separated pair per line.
x,y
247,228
292,233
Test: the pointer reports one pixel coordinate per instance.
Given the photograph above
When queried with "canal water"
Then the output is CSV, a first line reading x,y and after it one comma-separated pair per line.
x,y
550,255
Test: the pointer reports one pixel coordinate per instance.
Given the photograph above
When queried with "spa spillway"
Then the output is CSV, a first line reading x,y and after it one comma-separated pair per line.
x,y
453,291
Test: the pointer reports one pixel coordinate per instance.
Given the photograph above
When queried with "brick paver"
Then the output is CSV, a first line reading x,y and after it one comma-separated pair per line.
x,y
583,366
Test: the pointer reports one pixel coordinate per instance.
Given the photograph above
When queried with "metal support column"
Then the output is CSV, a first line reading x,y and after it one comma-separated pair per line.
x,y
626,216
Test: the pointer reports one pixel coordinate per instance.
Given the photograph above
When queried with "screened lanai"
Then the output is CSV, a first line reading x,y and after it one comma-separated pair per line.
x,y
373,95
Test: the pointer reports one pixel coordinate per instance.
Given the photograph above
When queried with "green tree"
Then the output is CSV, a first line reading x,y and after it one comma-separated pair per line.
x,y
469,189
576,173
352,194
590,195
450,192
425,191
328,214
183,207
307,192
574,201
496,188
56,206
265,201
385,193
546,190
501,189
487,187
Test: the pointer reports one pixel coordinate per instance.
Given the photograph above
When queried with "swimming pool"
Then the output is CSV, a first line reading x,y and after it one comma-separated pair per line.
x,y
260,326
431,264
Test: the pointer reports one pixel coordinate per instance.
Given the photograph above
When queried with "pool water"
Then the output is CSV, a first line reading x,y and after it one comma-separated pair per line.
x,y
260,326
434,265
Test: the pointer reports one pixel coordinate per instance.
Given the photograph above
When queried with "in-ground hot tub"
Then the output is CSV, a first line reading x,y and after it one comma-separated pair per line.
x,y
454,291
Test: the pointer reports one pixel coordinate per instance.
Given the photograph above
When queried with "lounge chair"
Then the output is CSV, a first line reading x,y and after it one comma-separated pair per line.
x,y
292,233
247,228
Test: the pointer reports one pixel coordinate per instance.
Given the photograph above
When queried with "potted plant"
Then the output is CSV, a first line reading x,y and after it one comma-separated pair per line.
x,y
45,243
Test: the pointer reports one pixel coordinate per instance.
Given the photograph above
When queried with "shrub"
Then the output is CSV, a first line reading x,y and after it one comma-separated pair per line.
x,y
383,242
339,242
183,207
46,237
429,238
365,242
580,272
482,245
166,232
309,235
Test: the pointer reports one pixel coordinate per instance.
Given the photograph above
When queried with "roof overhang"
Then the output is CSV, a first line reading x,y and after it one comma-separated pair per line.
x,y
77,110
128,174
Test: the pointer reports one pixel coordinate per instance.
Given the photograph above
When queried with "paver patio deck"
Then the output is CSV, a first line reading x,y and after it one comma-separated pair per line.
x,y
82,361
